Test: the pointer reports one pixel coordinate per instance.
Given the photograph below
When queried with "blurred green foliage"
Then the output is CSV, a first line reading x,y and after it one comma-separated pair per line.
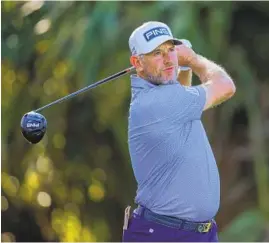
x,y
75,184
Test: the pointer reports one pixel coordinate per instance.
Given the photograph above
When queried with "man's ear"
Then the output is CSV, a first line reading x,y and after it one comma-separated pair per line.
x,y
136,62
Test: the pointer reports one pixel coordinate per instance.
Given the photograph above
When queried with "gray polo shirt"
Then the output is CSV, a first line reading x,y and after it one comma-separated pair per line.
x,y
172,160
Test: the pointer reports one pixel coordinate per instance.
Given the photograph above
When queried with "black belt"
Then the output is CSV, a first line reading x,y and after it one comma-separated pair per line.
x,y
202,227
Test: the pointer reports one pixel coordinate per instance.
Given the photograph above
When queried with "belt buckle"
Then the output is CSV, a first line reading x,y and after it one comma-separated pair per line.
x,y
204,228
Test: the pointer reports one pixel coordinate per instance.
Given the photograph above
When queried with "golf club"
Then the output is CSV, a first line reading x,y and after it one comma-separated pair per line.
x,y
34,125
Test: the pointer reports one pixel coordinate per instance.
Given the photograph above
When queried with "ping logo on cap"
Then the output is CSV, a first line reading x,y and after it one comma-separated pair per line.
x,y
158,31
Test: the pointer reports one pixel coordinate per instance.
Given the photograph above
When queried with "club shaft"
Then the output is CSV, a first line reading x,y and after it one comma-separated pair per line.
x,y
112,77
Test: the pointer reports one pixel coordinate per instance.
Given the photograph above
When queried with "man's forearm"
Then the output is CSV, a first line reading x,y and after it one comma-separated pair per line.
x,y
207,70
185,77
217,82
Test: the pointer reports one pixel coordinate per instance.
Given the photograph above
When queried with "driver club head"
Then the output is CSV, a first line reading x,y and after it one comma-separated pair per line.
x,y
33,127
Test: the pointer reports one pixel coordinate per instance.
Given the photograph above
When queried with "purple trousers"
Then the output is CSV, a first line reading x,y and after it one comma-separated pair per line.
x,y
142,230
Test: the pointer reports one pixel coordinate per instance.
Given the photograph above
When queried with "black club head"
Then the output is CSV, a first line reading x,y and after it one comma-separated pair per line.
x,y
33,126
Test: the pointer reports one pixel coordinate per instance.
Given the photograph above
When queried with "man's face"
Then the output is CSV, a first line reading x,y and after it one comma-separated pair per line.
x,y
161,65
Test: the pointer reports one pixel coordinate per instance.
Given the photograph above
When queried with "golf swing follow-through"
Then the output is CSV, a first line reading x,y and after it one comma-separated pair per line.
x,y
178,185
34,125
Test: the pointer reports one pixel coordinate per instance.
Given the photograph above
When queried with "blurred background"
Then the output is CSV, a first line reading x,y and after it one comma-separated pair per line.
x,y
75,184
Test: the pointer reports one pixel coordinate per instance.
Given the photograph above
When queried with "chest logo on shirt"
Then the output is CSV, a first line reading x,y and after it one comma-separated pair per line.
x,y
192,90
155,32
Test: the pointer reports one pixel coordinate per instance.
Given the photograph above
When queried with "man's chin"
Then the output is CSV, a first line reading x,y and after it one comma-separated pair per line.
x,y
169,80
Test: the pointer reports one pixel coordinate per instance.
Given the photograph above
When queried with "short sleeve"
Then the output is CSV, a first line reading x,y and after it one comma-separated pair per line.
x,y
192,102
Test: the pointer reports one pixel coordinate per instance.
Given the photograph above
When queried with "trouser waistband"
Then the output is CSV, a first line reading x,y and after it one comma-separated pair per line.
x,y
173,222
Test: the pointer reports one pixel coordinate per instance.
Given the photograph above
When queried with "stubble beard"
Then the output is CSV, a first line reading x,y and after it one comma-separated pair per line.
x,y
159,80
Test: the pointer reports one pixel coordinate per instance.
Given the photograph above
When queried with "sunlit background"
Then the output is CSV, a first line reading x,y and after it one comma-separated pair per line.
x,y
75,184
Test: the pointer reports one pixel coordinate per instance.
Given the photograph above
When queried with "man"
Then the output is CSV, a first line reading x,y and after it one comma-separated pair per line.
x,y
178,182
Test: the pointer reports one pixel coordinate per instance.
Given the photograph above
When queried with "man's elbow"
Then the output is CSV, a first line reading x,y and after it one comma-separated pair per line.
x,y
230,88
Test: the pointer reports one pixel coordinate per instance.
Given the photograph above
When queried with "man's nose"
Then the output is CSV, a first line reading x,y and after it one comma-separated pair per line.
x,y
166,57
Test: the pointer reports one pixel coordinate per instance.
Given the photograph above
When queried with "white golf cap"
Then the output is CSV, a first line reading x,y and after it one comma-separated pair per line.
x,y
149,36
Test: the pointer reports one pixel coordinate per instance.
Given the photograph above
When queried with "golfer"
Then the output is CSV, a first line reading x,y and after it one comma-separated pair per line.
x,y
178,192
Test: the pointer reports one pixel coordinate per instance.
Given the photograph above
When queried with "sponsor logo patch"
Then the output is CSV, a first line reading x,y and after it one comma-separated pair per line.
x,y
155,32
32,125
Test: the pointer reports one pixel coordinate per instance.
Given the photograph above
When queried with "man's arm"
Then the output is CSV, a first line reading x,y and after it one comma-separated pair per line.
x,y
218,84
185,77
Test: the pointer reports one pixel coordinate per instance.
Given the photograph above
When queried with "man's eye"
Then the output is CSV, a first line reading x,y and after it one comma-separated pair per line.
x,y
172,49
157,53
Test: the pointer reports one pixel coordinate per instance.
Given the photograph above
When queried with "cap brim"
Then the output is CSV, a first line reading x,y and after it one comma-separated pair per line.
x,y
177,42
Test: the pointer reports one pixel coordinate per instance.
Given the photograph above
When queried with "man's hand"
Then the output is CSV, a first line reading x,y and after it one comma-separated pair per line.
x,y
185,55
185,73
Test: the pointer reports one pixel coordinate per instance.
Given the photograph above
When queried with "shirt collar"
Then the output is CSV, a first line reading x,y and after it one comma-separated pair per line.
x,y
137,82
